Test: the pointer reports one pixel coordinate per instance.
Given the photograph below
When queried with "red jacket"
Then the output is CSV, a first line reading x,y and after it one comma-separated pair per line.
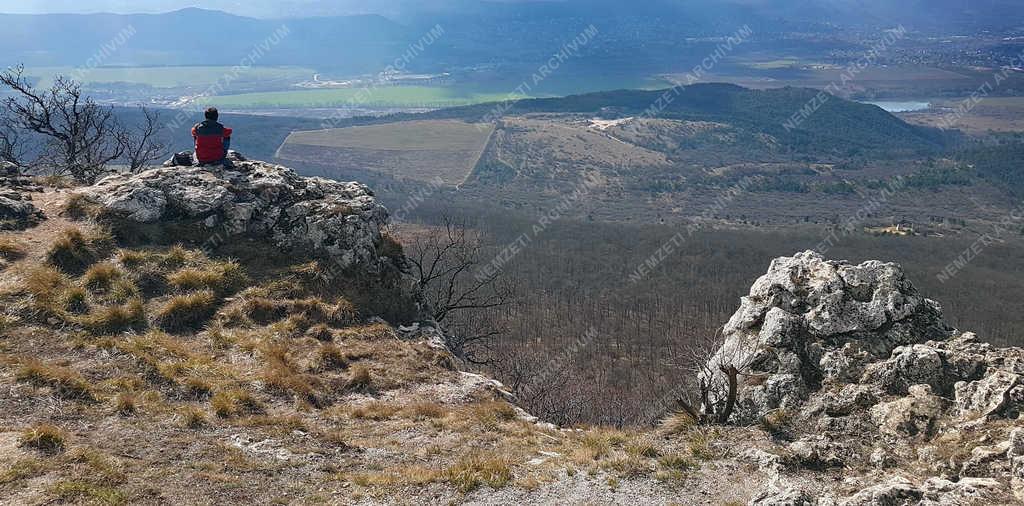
x,y
212,141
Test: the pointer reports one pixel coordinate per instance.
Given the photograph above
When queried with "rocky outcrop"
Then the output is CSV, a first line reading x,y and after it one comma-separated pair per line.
x,y
811,321
864,374
16,209
12,178
336,221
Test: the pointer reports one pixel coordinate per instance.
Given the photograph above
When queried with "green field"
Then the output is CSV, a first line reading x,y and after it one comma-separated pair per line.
x,y
173,77
383,96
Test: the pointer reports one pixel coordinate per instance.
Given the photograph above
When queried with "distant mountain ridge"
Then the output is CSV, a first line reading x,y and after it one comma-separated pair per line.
x,y
837,124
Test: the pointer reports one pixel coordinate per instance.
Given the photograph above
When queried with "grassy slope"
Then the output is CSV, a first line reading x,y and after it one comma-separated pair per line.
x,y
157,375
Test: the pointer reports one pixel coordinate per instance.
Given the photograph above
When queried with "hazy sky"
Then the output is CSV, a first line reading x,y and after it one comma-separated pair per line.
x,y
250,7
255,8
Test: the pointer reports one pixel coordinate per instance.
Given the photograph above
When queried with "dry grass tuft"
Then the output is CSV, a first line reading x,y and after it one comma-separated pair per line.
x,y
11,249
192,417
263,311
677,423
359,379
330,357
321,333
46,285
235,402
677,462
78,207
116,318
492,413
475,470
424,410
67,382
189,311
45,438
282,375
125,404
74,250
85,492
219,277
101,276
374,410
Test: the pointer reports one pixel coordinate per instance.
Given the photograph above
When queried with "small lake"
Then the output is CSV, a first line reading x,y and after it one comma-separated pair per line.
x,y
902,106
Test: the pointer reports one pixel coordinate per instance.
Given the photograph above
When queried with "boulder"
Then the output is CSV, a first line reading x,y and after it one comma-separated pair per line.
x,y
1016,455
913,416
897,491
11,177
818,452
987,396
784,497
340,222
17,211
909,365
794,330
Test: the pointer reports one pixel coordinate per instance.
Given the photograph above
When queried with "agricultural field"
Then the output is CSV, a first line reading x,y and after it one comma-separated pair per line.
x,y
995,114
381,96
418,150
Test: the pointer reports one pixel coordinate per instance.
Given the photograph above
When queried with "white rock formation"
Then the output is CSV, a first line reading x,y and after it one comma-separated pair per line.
x,y
340,222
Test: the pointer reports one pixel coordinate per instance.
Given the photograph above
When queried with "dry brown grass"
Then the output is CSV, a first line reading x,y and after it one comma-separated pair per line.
x,y
281,374
45,284
330,357
192,417
46,438
66,382
10,249
374,410
320,332
75,249
493,413
125,404
424,410
78,207
477,469
235,402
359,379
101,276
219,277
116,318
189,311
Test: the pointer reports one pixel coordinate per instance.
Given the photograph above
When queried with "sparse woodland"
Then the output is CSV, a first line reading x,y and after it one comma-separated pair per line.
x,y
582,342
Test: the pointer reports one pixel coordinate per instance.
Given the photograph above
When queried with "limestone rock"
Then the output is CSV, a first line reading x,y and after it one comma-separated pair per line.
x,y
987,396
1016,457
784,497
17,211
12,178
339,222
897,491
913,416
766,462
817,452
793,327
984,458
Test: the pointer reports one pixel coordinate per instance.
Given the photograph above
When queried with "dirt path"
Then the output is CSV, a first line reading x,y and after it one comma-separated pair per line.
x,y
36,240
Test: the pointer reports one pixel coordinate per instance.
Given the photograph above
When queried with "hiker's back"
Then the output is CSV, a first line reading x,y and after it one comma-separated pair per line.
x,y
212,139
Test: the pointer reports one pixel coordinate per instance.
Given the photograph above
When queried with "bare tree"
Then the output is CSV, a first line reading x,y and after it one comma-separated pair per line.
x,y
448,260
141,146
82,136
12,144
716,378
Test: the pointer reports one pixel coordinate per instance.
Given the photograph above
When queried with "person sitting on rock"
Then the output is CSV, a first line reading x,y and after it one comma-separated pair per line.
x,y
212,139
